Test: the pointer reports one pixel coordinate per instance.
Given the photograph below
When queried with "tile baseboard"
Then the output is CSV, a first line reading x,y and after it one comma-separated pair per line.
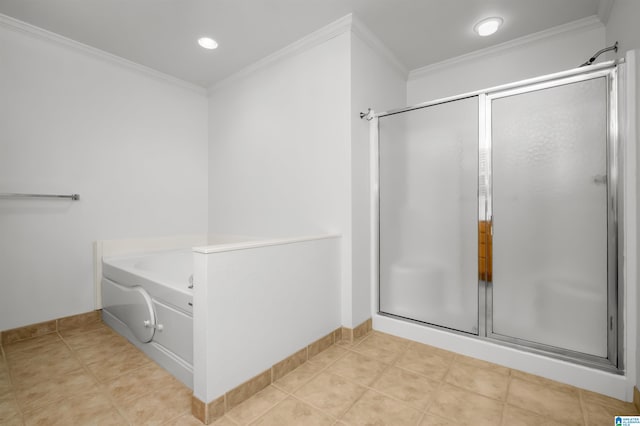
x,y
352,334
40,329
209,412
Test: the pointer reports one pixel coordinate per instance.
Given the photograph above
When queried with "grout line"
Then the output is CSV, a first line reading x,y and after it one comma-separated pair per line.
x,y
14,398
101,387
322,410
313,376
177,417
506,398
291,393
12,384
229,419
257,416
584,412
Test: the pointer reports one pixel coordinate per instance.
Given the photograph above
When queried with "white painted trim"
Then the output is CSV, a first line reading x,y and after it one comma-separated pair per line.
x,y
604,10
629,140
260,243
31,30
316,38
359,29
374,197
581,25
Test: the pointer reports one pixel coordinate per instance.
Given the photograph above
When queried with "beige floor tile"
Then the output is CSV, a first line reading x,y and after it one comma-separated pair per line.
x,y
484,381
28,371
597,414
412,388
257,405
33,353
224,421
433,420
428,361
103,351
103,337
466,407
90,408
82,329
543,381
16,420
330,393
514,416
189,420
558,403
298,377
43,381
482,364
376,409
359,368
9,410
120,363
139,382
38,353
5,383
622,407
329,356
53,389
293,412
382,347
159,406
31,344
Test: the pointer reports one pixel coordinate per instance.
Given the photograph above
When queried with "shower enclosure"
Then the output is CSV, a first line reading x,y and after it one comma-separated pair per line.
x,y
498,215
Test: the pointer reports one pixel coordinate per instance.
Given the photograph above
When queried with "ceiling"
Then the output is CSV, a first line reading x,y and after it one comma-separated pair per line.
x,y
161,34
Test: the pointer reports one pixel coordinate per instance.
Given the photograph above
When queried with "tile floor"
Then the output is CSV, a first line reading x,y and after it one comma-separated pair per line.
x,y
91,376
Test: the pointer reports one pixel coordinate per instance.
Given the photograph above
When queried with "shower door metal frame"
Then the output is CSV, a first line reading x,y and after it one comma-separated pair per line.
x,y
610,70
612,166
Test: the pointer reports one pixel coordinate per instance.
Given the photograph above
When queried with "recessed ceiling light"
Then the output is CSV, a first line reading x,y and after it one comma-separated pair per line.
x,y
207,43
488,26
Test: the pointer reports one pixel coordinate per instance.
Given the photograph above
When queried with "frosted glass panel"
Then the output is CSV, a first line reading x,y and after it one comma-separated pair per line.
x,y
428,214
550,216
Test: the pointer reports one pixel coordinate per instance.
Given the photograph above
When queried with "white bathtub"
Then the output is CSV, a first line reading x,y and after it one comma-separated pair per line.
x,y
280,295
148,298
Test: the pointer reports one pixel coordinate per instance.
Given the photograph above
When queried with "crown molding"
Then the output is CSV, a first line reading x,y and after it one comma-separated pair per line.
x,y
316,38
581,25
364,33
40,33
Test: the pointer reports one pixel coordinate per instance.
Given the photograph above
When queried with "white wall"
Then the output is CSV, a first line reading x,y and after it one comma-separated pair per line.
x,y
379,83
290,156
623,27
278,144
134,147
265,301
551,51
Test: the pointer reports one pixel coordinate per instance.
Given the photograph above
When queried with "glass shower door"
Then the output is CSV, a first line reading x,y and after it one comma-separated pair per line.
x,y
550,216
428,183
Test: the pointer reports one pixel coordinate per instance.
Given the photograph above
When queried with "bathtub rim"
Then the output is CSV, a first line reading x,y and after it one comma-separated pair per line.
x,y
260,242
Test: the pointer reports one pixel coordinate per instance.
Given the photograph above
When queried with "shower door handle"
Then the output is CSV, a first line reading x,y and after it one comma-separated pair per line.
x,y
600,179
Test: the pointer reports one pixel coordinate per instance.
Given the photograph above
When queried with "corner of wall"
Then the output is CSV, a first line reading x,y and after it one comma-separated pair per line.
x,y
360,30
